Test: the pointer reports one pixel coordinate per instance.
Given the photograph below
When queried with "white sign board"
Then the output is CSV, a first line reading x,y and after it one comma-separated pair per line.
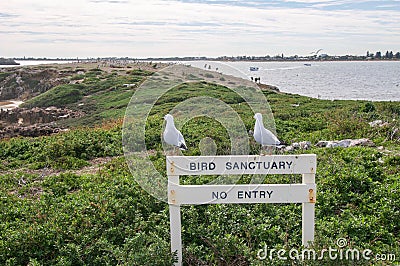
x,y
220,194
240,164
304,193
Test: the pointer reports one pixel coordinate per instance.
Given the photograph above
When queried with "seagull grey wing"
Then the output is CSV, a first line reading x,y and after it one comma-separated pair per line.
x,y
274,138
181,142
268,138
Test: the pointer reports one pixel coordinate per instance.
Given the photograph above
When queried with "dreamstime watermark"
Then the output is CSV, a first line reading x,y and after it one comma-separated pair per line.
x,y
339,252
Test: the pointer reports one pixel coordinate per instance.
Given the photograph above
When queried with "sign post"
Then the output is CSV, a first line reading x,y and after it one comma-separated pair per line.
x,y
178,195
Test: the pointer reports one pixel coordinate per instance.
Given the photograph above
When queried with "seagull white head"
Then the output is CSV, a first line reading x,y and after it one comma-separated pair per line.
x,y
258,116
168,117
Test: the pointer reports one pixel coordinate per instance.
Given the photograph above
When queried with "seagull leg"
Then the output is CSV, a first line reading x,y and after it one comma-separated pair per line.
x,y
177,151
267,150
270,149
170,152
264,151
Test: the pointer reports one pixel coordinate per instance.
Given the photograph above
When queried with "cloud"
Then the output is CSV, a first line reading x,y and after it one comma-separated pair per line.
x,y
109,1
197,27
7,15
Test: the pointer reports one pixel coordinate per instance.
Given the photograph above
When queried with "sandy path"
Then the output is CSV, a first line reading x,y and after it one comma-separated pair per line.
x,y
8,105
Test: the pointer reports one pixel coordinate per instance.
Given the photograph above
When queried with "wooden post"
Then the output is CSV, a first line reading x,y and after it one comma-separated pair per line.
x,y
308,212
175,220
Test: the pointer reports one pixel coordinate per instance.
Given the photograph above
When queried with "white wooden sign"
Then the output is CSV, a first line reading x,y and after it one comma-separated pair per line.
x,y
219,194
304,193
239,164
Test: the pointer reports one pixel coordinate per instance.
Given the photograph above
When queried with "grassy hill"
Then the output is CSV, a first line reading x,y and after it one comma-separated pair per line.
x,y
59,96
70,199
100,94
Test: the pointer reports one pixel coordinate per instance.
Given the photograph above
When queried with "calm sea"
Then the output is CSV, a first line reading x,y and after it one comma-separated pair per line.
x,y
349,80
37,62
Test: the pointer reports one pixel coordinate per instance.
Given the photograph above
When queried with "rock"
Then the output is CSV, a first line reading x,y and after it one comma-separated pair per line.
x,y
322,143
305,145
28,131
50,108
29,82
332,144
346,143
289,148
280,147
375,123
128,85
395,132
362,142
378,123
265,87
300,145
295,145
36,115
33,122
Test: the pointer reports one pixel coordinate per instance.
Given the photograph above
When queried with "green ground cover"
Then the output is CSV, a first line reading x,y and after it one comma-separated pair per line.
x,y
52,212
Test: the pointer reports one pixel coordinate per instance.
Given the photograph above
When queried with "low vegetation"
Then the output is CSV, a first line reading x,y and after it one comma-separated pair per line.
x,y
59,96
54,213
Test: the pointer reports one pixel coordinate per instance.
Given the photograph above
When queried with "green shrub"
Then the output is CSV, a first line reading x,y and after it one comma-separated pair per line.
x,y
368,107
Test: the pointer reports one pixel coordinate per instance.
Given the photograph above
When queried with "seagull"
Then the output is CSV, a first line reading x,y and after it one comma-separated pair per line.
x,y
172,135
262,135
316,52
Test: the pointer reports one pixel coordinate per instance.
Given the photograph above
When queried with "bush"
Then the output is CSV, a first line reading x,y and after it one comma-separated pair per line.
x,y
368,107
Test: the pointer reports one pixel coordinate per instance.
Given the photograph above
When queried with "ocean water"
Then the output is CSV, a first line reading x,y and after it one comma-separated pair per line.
x,y
346,80
37,62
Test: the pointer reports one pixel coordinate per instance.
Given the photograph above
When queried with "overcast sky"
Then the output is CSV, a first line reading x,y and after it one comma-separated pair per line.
x,y
151,28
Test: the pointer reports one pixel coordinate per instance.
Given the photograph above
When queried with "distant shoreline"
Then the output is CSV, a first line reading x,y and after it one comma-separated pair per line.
x,y
275,81
8,62
222,59
267,60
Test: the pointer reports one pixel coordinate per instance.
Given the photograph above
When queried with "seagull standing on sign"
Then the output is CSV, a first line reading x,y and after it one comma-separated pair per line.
x,y
262,135
172,135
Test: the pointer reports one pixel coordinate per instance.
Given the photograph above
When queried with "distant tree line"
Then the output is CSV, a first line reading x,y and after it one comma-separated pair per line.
x,y
387,55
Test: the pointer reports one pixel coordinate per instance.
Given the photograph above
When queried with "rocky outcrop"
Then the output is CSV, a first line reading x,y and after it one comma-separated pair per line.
x,y
26,83
33,122
25,117
29,131
265,87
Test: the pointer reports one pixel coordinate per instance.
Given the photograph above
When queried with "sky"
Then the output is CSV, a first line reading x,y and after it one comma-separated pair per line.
x,y
168,28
